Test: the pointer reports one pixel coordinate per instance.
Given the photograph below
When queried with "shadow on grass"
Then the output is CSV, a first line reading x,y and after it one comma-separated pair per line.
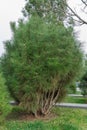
x,y
18,114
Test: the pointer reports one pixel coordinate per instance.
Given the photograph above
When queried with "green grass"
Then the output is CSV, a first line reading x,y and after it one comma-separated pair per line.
x,y
67,119
81,100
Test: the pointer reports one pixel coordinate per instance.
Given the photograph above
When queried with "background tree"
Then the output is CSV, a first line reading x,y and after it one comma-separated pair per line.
x,y
50,10
72,88
83,80
83,85
56,10
75,15
40,61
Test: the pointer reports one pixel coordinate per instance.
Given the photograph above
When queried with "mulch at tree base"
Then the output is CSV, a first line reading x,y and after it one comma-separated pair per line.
x,y
23,116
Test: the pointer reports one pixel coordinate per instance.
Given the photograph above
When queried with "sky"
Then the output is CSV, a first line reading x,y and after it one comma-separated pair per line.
x,y
78,7
10,10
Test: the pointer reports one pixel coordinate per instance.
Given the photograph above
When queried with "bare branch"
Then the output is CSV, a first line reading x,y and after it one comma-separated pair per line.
x,y
75,14
85,3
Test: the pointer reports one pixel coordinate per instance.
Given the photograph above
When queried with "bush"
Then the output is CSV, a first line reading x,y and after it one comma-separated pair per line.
x,y
40,61
4,99
72,88
83,87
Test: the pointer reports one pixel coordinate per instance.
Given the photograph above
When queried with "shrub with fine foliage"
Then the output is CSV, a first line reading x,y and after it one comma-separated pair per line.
x,y
40,61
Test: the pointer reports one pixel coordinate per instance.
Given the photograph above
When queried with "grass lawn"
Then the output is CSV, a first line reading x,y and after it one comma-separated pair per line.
x,y
81,100
66,119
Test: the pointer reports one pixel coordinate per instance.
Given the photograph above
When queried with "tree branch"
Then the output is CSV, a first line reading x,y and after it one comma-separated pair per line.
x,y
75,14
84,3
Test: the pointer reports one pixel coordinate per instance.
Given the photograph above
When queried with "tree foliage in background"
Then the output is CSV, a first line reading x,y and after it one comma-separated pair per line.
x,y
83,80
72,88
50,10
56,10
40,61
79,18
83,83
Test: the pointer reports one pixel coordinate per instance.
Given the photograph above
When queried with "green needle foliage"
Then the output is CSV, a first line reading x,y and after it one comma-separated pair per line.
x,y
4,100
40,61
50,10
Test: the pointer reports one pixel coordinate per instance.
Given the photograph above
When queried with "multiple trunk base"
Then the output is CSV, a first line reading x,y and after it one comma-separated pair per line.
x,y
42,104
